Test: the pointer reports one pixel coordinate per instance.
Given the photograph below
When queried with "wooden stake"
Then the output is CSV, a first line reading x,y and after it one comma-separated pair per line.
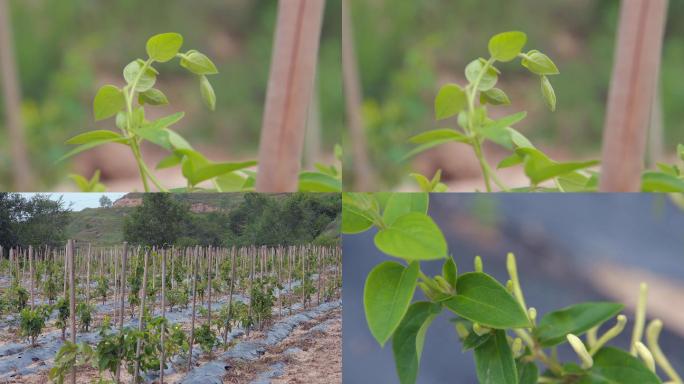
x,y
72,300
163,309
140,319
290,88
194,300
635,78
31,272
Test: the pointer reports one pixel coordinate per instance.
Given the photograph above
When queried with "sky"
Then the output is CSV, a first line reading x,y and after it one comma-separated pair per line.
x,y
80,201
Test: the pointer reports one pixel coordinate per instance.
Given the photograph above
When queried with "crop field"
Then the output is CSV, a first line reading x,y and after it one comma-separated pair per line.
x,y
128,313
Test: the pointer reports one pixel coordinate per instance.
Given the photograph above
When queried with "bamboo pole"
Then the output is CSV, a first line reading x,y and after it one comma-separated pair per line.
x,y
635,78
290,89
122,277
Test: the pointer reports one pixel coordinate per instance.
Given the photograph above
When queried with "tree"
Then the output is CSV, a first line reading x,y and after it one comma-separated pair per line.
x,y
159,221
105,202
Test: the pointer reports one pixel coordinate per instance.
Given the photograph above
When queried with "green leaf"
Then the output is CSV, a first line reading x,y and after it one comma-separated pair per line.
x,y
494,96
169,161
145,81
231,182
153,97
575,182
507,46
438,135
424,147
354,220
156,131
164,47
213,170
387,294
680,151
319,182
413,236
450,271
473,340
198,64
613,366
423,182
499,132
576,319
408,339
489,78
90,145
494,361
80,181
539,168
400,204
540,64
528,373
108,101
481,299
510,161
548,93
661,183
91,136
358,211
208,94
450,100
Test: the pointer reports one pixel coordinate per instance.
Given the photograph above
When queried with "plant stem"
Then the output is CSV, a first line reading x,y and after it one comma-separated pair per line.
x,y
471,92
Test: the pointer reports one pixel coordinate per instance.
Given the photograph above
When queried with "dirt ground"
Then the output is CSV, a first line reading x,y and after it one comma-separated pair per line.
x,y
318,361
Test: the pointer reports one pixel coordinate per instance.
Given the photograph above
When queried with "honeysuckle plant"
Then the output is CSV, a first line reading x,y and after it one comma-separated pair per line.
x,y
470,106
127,107
510,342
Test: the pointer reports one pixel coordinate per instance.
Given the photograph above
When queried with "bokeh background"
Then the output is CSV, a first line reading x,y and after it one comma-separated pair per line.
x,y
66,49
570,249
407,49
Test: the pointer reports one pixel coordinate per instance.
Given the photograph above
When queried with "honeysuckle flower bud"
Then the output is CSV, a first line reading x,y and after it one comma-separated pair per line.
x,y
580,350
517,347
461,330
645,355
532,314
639,319
512,267
610,334
652,335
444,285
509,286
427,290
480,330
478,264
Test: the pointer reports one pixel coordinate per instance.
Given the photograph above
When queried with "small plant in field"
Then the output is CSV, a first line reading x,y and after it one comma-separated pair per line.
x,y
50,285
69,356
263,298
102,288
17,296
509,339
178,297
206,338
178,339
32,322
84,312
62,307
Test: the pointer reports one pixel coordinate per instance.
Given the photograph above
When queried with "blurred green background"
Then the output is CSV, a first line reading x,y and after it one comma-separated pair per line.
x,y
67,49
408,49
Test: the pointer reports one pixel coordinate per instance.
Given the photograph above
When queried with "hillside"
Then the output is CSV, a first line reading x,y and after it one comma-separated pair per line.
x,y
104,226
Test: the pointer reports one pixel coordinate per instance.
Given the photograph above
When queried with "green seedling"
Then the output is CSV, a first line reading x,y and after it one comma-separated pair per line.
x,y
511,344
127,106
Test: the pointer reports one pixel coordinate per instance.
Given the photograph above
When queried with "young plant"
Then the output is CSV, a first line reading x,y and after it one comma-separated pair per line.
x,y
84,312
508,339
127,105
206,338
32,322
62,307
17,296
69,356
470,103
102,288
